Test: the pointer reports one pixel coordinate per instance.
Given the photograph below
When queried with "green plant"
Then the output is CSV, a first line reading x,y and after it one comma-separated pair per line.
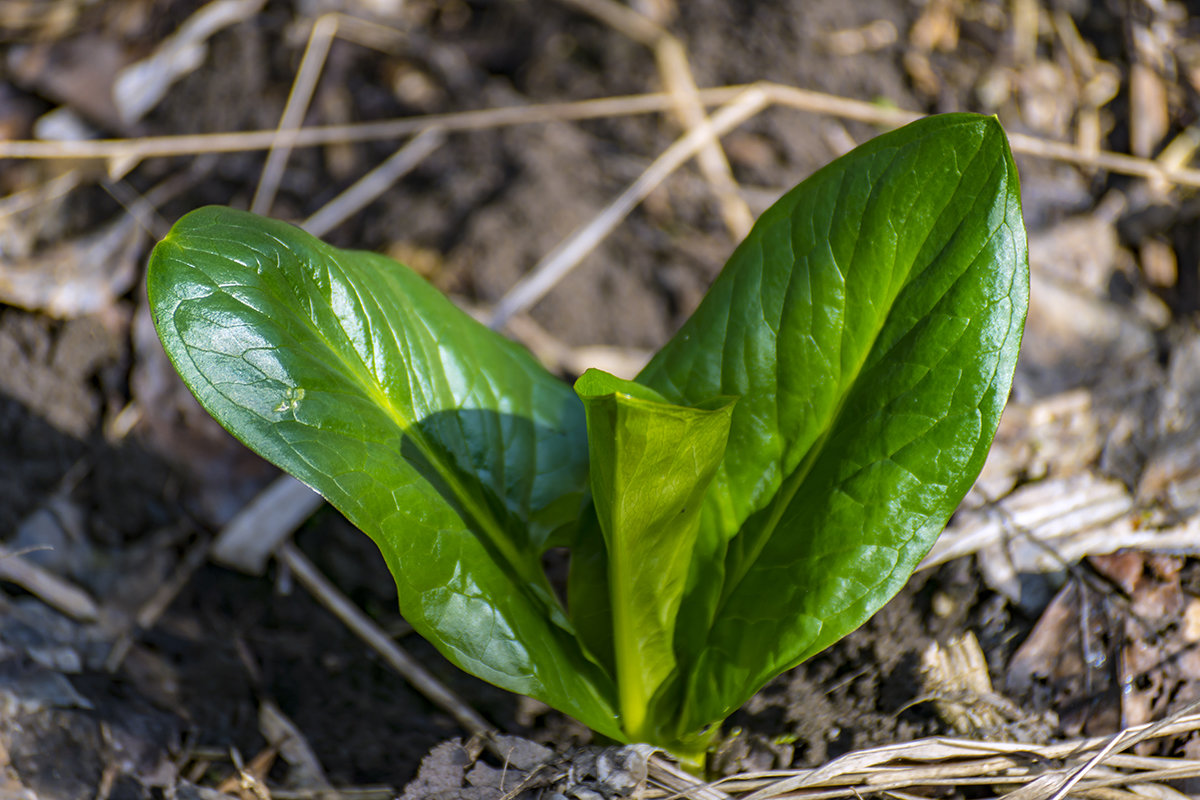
x,y
770,479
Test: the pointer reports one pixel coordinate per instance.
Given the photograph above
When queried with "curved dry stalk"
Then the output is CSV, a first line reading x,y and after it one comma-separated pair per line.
x,y
303,85
485,119
674,68
379,130
54,591
374,183
560,261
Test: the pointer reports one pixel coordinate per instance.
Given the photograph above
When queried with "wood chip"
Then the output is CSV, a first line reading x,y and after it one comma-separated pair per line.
x,y
268,521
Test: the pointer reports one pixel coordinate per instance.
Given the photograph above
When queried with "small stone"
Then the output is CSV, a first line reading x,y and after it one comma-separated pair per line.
x,y
943,605
1191,621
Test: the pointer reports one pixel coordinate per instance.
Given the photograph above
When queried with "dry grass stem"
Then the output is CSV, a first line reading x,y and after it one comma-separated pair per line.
x,y
675,70
380,130
56,592
624,362
484,119
622,19
370,34
1181,149
153,609
370,186
835,106
559,262
1120,741
680,784
41,193
1113,162
299,97
677,77
249,539
1084,767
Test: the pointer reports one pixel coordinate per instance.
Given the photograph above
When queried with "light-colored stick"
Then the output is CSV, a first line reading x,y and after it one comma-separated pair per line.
x,y
367,188
560,261
677,76
1113,162
943,761
484,119
622,19
54,591
25,199
248,540
379,130
1120,741
676,73
303,86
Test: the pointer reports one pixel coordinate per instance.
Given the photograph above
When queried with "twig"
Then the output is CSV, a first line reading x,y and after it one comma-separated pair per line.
x,y
52,189
1104,159
1120,741
676,74
248,540
305,82
374,183
556,356
379,130
790,96
48,587
1093,763
669,776
153,609
622,19
560,261
835,106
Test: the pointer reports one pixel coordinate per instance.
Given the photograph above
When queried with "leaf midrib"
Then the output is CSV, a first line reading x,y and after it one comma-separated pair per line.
x,y
378,394
791,485
364,377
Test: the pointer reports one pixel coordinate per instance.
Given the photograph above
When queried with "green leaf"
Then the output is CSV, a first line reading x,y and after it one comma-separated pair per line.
x,y
870,324
651,462
449,445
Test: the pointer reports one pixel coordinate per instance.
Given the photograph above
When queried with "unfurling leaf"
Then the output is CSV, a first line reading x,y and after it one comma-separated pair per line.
x,y
771,478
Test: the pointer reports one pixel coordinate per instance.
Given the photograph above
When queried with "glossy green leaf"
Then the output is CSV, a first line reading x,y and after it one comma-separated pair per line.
x,y
868,329
870,324
651,463
458,453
